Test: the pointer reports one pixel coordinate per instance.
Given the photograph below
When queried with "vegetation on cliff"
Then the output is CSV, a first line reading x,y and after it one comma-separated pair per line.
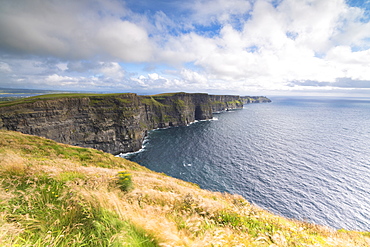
x,y
54,194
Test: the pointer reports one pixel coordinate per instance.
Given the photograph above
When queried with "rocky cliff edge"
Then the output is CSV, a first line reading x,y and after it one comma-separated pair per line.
x,y
114,123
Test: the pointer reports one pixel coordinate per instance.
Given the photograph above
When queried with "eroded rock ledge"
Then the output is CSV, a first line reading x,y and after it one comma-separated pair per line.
x,y
114,123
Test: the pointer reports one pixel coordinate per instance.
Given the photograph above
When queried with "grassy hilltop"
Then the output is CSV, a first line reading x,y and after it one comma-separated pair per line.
x,y
53,194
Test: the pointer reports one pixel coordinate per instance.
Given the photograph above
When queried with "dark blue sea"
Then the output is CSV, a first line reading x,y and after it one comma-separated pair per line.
x,y
302,158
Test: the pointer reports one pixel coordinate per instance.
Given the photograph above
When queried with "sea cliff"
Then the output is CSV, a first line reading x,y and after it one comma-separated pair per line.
x,y
114,123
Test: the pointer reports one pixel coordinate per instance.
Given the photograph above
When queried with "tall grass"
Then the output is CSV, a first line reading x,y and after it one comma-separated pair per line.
x,y
124,181
59,195
51,213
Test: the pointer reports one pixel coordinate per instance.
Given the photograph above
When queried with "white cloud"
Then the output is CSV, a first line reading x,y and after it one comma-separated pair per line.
x,y
60,80
220,45
353,65
186,48
124,40
153,76
193,77
314,22
286,44
345,55
103,70
151,81
72,30
112,71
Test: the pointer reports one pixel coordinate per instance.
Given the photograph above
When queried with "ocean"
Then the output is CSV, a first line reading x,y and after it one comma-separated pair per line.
x,y
302,158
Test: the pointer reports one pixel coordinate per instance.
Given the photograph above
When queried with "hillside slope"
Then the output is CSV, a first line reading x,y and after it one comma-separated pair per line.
x,y
59,195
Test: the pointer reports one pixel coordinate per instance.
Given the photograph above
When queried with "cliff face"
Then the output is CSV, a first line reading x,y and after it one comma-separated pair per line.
x,y
112,123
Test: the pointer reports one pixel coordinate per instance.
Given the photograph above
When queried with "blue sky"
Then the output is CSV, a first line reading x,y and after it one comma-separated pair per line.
x,y
247,47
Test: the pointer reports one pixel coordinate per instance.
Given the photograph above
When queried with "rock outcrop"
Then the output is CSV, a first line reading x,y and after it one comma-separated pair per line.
x,y
114,123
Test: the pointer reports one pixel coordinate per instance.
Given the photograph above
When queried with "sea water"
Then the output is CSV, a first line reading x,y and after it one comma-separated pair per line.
x,y
302,158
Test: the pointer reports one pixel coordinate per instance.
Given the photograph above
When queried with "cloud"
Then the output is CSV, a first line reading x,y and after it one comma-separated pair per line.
x,y
60,80
203,45
124,40
112,71
151,81
103,70
345,55
292,42
72,30
350,83
52,74
193,77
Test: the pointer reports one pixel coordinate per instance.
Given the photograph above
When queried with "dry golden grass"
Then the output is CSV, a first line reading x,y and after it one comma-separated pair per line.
x,y
174,212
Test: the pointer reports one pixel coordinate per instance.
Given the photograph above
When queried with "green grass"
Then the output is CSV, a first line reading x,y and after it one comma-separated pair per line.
x,y
236,102
245,223
50,148
33,99
71,176
168,94
112,100
54,214
124,181
180,104
149,100
136,236
42,149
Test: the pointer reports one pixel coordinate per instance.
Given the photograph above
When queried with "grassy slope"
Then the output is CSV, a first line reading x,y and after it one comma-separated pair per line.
x,y
9,101
53,96
58,195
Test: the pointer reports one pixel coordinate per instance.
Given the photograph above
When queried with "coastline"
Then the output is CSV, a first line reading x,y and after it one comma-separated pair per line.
x,y
114,123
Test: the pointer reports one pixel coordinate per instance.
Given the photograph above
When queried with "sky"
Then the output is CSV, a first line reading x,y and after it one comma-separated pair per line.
x,y
244,47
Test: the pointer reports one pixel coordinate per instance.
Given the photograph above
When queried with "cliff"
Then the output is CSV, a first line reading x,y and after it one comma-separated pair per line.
x,y
114,123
